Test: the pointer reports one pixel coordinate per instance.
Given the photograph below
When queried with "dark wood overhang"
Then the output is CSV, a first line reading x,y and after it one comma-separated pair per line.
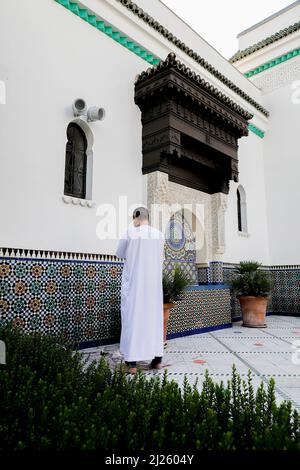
x,y
190,128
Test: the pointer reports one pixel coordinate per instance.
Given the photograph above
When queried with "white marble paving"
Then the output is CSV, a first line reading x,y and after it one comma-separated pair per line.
x,y
267,352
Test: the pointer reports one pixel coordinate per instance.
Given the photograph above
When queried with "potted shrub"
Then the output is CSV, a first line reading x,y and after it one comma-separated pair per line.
x,y
252,288
174,285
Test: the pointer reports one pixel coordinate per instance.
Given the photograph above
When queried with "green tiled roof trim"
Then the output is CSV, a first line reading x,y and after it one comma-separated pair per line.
x,y
107,29
265,42
273,63
181,45
256,130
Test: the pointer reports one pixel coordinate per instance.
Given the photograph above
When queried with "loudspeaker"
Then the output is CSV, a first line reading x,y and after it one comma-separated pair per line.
x,y
79,107
95,114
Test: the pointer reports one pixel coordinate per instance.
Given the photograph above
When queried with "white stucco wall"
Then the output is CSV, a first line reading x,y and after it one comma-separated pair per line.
x,y
282,169
255,245
280,88
270,26
48,58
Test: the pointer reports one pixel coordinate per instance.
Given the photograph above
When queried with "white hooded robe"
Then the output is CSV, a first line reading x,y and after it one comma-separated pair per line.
x,y
141,293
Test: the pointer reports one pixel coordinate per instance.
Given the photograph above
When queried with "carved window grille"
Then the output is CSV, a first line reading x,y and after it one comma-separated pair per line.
x,y
76,162
242,210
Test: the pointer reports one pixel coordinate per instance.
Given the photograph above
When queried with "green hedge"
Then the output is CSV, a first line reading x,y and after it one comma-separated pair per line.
x,y
50,400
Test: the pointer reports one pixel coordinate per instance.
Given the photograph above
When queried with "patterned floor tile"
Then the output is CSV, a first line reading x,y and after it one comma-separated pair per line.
x,y
266,353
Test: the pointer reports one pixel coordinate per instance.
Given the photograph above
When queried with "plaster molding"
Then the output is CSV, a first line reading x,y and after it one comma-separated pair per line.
x,y
77,201
283,75
163,191
157,188
219,204
273,63
244,234
283,33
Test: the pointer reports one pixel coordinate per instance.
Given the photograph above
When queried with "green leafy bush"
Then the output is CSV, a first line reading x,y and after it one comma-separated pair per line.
x,y
174,285
250,281
50,400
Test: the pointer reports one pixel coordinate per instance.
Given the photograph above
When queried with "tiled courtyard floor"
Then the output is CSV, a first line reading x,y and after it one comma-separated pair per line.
x,y
266,352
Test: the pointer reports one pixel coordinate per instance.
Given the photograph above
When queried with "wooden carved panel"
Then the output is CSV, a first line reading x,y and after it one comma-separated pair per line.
x,y
190,130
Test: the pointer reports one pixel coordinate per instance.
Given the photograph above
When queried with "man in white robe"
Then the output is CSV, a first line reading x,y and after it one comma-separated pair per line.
x,y
141,294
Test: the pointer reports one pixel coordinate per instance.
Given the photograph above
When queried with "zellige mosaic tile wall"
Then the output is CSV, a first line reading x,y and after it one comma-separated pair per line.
x,y
78,301
201,309
76,297
285,297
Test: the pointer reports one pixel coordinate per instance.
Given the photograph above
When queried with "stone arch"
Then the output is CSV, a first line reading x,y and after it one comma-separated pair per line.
x,y
208,208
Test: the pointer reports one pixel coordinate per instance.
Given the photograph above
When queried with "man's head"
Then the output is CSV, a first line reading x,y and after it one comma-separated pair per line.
x,y
140,216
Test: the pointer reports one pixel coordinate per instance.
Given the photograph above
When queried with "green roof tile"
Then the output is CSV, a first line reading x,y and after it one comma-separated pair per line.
x,y
265,42
273,63
144,16
129,44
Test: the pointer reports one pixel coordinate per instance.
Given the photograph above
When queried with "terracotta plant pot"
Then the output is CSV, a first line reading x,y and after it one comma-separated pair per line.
x,y
167,308
254,311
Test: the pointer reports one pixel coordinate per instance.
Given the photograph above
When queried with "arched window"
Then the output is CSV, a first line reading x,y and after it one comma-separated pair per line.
x,y
76,162
242,210
239,211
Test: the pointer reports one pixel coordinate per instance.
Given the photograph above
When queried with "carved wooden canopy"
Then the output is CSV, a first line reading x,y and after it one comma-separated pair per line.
x,y
190,129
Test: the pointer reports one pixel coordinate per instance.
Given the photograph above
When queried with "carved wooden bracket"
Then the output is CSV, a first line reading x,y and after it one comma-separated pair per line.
x,y
190,129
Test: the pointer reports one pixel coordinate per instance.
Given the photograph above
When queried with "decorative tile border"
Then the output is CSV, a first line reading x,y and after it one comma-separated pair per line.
x,y
113,33
259,133
275,78
188,268
200,310
208,287
286,314
212,274
203,275
287,267
199,331
96,343
273,63
216,272
76,297
22,253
